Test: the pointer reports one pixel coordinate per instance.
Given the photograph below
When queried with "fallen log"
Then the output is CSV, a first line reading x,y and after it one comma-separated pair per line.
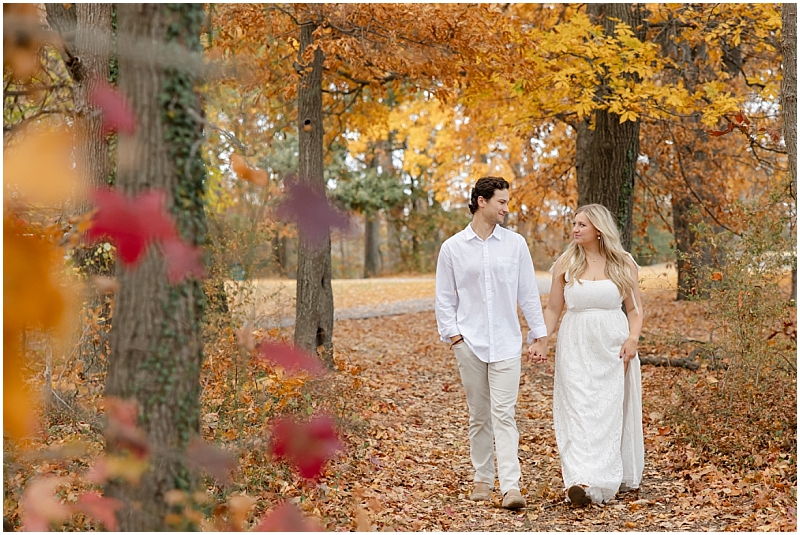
x,y
670,363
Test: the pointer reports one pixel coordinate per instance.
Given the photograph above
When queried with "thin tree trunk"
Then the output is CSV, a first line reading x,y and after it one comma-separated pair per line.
x,y
606,156
156,342
371,244
684,244
314,312
789,102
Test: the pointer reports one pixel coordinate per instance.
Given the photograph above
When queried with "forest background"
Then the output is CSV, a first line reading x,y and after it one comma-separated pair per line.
x,y
194,151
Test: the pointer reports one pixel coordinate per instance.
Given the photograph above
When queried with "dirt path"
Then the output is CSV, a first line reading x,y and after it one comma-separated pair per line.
x,y
414,471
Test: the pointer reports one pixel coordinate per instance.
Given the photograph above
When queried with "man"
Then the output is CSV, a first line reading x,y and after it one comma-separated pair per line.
x,y
481,275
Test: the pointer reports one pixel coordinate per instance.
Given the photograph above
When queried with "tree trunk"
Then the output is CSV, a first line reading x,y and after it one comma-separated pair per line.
x,y
93,53
684,244
688,210
156,342
371,244
789,101
86,34
606,156
314,313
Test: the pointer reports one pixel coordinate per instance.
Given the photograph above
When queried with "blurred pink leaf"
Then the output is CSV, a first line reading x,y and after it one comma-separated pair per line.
x,y
307,445
40,506
104,509
286,518
289,358
213,459
131,223
310,209
116,112
182,260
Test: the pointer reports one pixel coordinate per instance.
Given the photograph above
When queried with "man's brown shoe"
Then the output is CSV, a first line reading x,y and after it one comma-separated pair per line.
x,y
481,492
513,500
578,497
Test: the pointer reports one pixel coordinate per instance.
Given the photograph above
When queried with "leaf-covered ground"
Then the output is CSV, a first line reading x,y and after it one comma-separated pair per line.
x,y
411,467
403,416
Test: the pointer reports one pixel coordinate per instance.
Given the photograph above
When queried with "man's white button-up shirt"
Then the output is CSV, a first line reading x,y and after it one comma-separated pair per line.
x,y
478,286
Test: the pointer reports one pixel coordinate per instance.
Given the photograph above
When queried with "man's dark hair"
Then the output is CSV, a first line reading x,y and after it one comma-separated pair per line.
x,y
485,187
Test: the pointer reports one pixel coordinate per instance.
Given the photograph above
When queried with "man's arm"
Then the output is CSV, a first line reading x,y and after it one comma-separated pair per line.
x,y
446,297
528,296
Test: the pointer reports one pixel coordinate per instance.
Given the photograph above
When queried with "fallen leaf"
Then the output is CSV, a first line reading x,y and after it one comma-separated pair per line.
x,y
362,519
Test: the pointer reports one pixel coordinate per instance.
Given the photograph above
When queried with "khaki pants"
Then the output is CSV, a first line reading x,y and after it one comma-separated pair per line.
x,y
491,390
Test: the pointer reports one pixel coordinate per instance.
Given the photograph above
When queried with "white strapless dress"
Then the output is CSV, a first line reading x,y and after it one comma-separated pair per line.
x,y
597,407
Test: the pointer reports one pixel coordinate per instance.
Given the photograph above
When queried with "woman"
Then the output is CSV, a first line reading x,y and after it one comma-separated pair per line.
x,y
597,396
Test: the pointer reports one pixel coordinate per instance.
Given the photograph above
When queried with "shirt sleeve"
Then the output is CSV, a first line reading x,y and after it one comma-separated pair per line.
x,y
528,296
446,296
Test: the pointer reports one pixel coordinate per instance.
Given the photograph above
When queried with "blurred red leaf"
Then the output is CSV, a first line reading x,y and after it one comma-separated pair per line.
x,y
116,112
287,518
307,445
213,459
311,211
182,260
131,223
289,358
40,507
99,507
122,429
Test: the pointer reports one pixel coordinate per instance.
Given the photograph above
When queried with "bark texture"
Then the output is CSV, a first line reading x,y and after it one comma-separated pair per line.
x,y
314,312
156,342
789,101
86,31
606,156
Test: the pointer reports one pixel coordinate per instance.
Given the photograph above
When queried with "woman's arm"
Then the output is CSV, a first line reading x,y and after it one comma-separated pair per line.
x,y
555,302
633,304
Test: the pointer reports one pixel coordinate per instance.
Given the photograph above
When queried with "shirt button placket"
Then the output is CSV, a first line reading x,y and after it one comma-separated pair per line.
x,y
488,279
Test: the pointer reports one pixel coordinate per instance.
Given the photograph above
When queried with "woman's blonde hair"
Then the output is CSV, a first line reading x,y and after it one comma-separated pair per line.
x,y
573,262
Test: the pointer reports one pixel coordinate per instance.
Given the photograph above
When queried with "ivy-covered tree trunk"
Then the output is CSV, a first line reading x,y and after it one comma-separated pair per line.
x,y
156,342
606,156
789,101
313,326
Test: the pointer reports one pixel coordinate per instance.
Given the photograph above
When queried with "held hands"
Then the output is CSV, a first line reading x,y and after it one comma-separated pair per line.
x,y
538,350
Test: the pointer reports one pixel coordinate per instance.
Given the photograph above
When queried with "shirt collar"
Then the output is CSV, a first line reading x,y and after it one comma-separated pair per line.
x,y
495,233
